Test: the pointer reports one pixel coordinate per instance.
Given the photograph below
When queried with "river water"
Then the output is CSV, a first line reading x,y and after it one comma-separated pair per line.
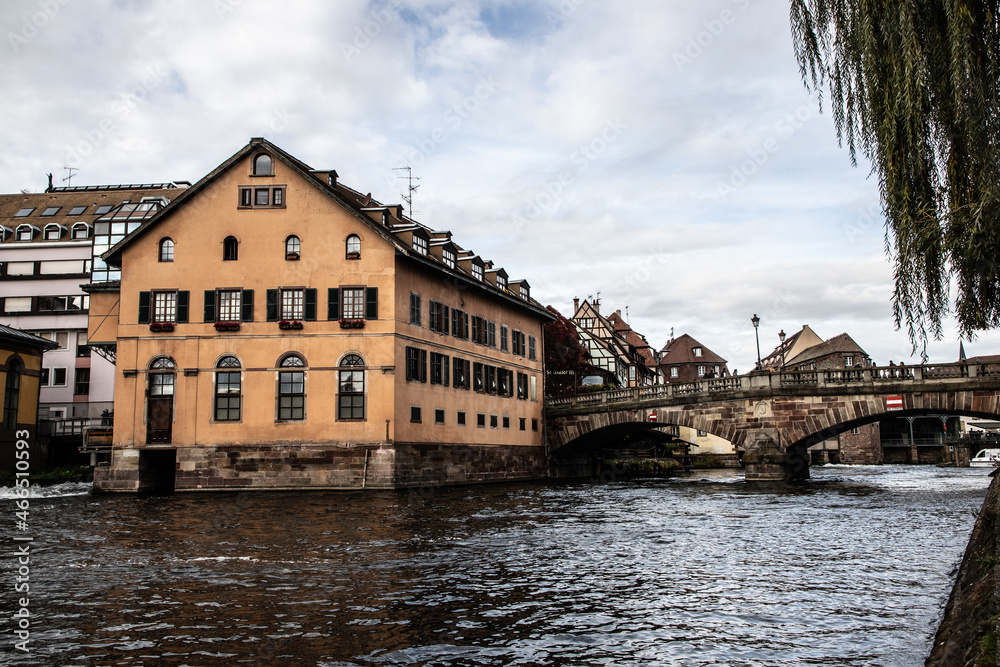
x,y
853,568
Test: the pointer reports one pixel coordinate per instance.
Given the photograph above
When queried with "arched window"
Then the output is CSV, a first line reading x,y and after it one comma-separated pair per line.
x,y
166,250
353,247
228,389
292,247
262,165
12,394
351,388
291,389
230,249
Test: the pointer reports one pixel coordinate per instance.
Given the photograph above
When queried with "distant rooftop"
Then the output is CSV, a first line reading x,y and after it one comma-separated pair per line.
x,y
123,186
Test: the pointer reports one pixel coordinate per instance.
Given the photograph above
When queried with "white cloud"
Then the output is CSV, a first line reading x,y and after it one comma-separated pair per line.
x,y
662,153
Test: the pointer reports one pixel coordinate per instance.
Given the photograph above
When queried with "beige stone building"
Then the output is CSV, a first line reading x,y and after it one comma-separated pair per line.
x,y
276,329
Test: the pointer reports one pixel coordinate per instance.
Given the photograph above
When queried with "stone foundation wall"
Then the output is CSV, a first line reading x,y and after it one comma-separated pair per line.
x,y
863,447
289,466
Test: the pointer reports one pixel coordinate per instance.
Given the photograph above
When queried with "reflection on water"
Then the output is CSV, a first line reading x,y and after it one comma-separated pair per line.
x,y
851,569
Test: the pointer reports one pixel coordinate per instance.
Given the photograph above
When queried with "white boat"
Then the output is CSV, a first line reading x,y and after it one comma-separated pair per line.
x,y
986,458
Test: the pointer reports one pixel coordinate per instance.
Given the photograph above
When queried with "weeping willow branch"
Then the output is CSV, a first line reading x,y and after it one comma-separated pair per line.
x,y
914,85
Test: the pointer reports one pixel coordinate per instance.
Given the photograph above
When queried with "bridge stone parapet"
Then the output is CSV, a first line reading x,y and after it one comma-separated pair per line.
x,y
789,410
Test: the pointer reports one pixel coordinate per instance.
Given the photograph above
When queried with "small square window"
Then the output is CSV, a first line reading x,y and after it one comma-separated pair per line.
x,y
438,416
77,210
481,420
51,210
460,419
261,196
58,377
414,415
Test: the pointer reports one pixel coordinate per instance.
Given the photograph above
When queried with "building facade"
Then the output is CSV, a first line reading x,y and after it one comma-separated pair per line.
x,y
20,375
620,354
684,359
276,329
48,243
861,445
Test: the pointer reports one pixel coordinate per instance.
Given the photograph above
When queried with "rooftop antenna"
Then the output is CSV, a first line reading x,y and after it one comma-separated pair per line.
x,y
410,187
69,175
626,314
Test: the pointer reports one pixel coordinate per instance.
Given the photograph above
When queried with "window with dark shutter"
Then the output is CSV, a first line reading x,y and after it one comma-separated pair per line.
x,y
272,305
310,305
246,313
333,303
371,303
144,314
209,312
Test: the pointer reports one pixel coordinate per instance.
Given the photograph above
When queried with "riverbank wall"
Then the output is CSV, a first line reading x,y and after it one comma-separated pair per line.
x,y
969,629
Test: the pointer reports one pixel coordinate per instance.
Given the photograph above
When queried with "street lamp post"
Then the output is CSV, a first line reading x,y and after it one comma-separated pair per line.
x,y
781,337
756,323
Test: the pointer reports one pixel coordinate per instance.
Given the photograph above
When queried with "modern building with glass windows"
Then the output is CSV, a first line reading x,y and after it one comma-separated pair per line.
x,y
275,329
50,244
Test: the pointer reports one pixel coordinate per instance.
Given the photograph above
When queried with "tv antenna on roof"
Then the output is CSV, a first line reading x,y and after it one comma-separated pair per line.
x,y
410,187
69,176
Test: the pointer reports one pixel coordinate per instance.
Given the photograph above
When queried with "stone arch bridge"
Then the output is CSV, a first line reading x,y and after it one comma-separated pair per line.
x,y
773,417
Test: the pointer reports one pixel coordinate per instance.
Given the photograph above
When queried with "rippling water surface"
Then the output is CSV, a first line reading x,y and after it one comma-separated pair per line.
x,y
852,569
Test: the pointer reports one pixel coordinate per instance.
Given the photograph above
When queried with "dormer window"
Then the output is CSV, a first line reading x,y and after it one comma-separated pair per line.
x,y
81,230
501,282
477,271
353,247
420,244
26,232
449,257
54,232
262,165
524,292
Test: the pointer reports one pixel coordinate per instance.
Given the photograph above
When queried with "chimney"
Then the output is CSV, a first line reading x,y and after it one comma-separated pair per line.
x,y
576,304
597,306
49,189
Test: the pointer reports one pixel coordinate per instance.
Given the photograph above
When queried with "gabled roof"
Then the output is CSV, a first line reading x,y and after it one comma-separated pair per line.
x,y
348,199
633,338
680,351
842,344
987,359
794,345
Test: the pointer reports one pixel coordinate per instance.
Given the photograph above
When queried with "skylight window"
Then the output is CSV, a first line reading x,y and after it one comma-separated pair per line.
x,y
24,212
77,210
51,210
101,210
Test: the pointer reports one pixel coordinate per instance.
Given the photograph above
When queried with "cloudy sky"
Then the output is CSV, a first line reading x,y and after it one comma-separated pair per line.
x,y
663,154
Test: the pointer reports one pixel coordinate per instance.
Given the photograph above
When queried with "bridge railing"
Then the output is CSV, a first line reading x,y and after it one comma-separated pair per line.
x,y
775,381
